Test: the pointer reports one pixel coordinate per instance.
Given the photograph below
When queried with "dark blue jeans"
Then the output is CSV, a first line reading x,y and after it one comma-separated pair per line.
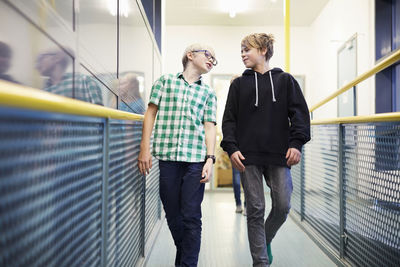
x,y
236,186
181,194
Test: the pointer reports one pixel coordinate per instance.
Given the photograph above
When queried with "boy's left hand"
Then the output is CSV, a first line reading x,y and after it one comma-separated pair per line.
x,y
293,156
207,171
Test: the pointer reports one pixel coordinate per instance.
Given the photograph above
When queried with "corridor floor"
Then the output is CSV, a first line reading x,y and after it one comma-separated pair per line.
x,y
225,244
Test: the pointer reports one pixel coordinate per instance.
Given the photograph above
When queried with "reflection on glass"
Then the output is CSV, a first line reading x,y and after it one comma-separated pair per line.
x,y
26,43
5,62
55,65
129,92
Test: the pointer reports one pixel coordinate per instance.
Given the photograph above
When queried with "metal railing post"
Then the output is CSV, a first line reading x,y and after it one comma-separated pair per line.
x,y
341,189
104,198
143,219
302,186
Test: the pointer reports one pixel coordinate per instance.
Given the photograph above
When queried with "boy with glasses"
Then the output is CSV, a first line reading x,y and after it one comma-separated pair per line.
x,y
265,124
183,109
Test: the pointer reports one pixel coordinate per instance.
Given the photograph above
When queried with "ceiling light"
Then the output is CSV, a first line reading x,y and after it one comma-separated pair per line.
x,y
124,8
232,7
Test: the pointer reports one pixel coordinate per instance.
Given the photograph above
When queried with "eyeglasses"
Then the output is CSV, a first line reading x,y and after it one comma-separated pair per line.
x,y
209,56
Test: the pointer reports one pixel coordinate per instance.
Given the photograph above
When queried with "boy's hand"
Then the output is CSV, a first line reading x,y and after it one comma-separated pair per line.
x,y
293,156
207,171
144,162
236,159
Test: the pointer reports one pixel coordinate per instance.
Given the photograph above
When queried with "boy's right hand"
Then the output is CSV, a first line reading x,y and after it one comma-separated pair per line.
x,y
236,159
144,161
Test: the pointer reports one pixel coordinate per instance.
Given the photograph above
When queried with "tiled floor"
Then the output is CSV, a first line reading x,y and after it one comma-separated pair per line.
x,y
225,244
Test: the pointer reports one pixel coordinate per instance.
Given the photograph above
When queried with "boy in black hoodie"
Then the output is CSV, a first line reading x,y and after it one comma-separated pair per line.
x,y
266,122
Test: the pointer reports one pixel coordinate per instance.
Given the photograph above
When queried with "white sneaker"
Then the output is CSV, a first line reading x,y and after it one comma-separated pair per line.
x,y
238,209
244,212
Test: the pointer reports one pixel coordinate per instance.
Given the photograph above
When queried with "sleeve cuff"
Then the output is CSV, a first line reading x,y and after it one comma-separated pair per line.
x,y
296,144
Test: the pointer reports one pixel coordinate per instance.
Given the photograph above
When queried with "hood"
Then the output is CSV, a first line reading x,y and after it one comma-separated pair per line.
x,y
248,72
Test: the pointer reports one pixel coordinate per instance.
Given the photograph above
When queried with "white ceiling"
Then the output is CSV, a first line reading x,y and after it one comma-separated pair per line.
x,y
259,12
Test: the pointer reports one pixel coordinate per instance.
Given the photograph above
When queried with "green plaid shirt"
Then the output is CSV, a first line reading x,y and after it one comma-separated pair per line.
x,y
84,88
182,110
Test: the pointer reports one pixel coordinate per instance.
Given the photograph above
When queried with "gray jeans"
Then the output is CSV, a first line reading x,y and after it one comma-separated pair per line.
x,y
260,234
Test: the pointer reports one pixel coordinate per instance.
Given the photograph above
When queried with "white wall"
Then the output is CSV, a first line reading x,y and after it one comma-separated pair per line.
x,y
226,42
313,50
337,23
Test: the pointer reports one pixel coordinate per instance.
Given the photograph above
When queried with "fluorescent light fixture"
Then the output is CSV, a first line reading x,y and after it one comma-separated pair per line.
x,y
232,7
124,7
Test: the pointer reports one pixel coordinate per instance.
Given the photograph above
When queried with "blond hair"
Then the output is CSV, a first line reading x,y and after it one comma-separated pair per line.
x,y
260,41
194,47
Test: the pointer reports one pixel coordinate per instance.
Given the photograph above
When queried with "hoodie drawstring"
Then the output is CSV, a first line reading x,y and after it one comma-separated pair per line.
x,y
272,85
255,78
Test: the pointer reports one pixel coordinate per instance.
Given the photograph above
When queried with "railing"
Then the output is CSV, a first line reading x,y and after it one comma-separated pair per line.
x,y
346,189
70,191
393,58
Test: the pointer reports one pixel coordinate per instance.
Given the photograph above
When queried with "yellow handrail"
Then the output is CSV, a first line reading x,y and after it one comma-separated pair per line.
x,y
393,116
377,68
286,22
15,95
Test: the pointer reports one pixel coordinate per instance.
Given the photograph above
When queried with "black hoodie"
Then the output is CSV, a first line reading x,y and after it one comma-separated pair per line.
x,y
265,114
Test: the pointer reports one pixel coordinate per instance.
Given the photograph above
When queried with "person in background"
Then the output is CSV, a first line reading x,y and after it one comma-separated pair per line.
x,y
236,182
53,65
183,109
265,124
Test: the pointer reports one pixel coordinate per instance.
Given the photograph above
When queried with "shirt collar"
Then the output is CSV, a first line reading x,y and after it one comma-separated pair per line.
x,y
199,81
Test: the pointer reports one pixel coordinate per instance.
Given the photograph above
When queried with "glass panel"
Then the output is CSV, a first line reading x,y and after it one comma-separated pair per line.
x,y
131,89
347,71
64,9
39,9
90,89
29,57
136,59
97,28
55,17
55,67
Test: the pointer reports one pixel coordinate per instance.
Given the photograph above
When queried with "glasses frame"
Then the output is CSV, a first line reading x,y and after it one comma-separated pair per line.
x,y
209,56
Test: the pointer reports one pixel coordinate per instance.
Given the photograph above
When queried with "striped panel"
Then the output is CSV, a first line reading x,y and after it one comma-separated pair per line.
x,y
321,184
372,194
125,196
50,189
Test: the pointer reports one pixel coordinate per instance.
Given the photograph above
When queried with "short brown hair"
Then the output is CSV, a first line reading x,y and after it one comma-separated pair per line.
x,y
260,41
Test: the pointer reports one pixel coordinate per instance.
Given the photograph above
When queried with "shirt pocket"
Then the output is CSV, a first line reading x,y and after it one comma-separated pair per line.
x,y
195,102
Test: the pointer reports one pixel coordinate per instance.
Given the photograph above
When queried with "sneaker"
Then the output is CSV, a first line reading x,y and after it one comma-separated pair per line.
x,y
244,212
269,252
239,209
